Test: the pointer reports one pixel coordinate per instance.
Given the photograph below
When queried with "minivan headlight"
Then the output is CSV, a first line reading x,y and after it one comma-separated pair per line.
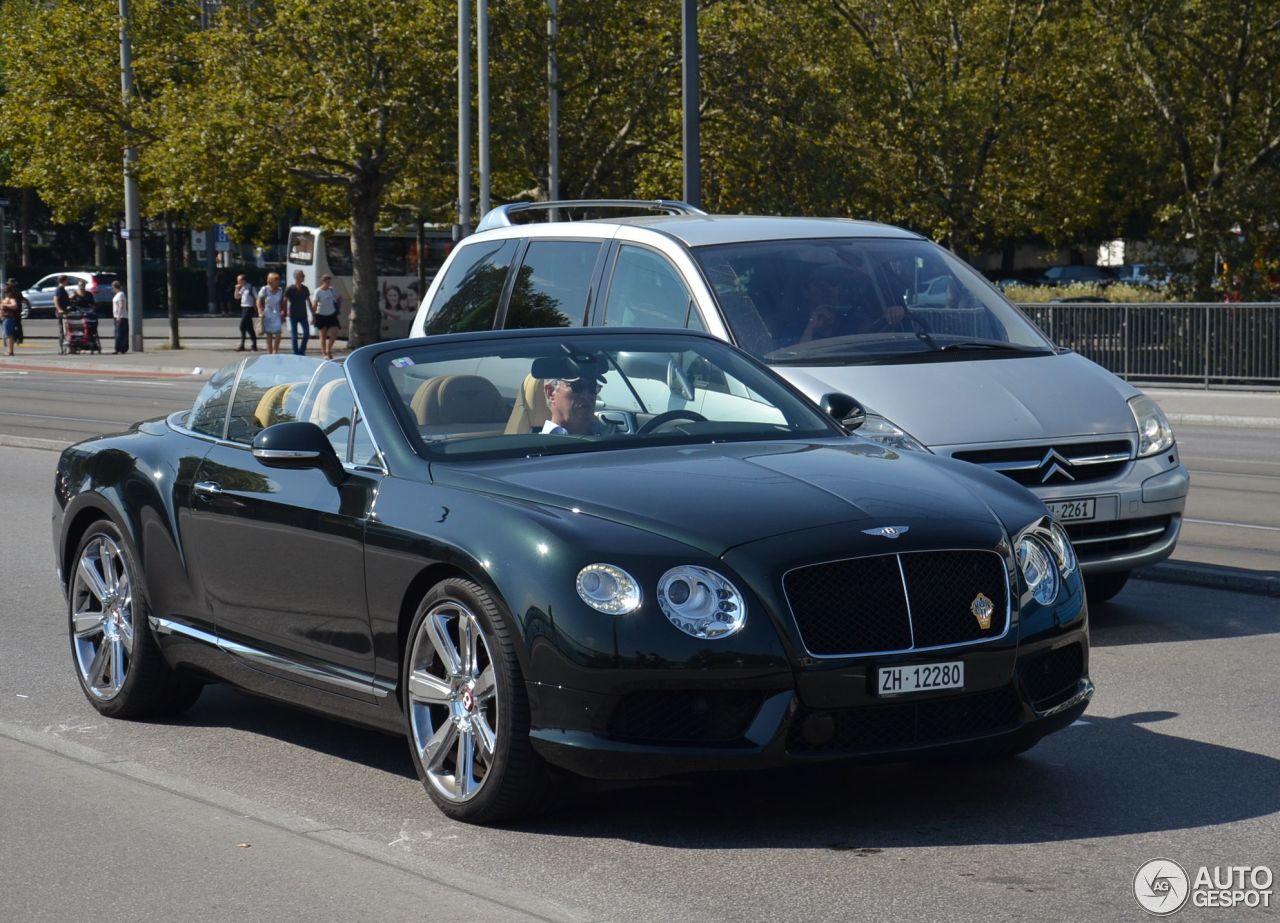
x,y
1154,432
889,434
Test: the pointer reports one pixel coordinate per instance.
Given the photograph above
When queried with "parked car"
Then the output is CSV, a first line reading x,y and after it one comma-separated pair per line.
x,y
973,380
705,571
1067,275
1149,275
40,296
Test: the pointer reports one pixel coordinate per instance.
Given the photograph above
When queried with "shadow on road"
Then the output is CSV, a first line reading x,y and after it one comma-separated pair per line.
x,y
1150,612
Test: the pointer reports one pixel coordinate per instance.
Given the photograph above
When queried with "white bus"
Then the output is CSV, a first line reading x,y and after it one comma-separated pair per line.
x,y
317,252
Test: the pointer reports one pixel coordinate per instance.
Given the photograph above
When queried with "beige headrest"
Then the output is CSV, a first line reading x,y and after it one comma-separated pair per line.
x,y
530,411
458,399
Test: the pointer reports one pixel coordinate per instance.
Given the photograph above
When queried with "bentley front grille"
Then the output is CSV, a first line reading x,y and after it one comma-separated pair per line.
x,y
899,602
1055,465
896,725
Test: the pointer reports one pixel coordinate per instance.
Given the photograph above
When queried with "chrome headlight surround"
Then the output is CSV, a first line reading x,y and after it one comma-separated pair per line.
x,y
1060,544
1155,435
701,602
890,435
1039,567
608,589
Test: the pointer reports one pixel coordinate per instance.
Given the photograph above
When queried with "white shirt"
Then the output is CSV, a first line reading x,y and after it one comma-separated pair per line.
x,y
119,306
553,429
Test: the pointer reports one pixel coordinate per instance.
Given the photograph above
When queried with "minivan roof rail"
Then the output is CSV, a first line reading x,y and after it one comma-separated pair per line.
x,y
501,217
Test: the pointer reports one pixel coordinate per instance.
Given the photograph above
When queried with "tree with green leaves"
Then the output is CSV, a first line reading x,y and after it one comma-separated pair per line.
x,y
1205,75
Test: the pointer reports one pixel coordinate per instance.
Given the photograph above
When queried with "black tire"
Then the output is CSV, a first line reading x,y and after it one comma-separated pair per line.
x,y
111,640
513,778
1101,587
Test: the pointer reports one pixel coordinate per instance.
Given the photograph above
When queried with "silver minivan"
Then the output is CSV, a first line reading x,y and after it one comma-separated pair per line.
x,y
941,361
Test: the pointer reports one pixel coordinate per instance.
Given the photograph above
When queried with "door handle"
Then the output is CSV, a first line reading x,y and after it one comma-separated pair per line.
x,y
208,489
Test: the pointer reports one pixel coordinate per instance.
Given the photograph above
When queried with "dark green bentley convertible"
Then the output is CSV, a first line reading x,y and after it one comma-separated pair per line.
x,y
619,553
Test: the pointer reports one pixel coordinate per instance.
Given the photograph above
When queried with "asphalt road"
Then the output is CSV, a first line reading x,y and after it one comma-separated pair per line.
x,y
1178,757
1233,514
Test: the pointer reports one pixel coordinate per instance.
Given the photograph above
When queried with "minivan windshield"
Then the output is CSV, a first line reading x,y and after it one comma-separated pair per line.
x,y
861,299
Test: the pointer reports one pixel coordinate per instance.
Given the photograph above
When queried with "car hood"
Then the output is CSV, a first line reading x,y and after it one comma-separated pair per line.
x,y
715,497
954,403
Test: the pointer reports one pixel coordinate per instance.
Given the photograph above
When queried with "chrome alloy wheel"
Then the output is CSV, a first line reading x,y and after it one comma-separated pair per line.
x,y
452,701
102,618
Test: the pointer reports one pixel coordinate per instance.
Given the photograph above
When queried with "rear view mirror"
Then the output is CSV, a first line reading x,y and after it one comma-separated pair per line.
x,y
843,409
297,445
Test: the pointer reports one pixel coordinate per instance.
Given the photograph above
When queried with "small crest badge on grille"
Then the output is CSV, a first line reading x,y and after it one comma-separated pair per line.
x,y
981,607
887,531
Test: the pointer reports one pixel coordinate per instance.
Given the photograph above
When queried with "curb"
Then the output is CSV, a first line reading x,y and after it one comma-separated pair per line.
x,y
33,442
1213,576
1213,419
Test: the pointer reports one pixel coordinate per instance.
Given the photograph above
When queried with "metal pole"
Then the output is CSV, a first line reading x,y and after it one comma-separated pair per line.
x,y
132,213
482,79
689,86
553,107
4,246
464,117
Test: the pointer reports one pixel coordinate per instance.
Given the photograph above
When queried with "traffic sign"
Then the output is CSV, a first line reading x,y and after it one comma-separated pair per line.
x,y
221,242
198,241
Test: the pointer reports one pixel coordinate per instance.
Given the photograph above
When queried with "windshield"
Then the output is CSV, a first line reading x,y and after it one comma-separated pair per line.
x,y
841,300
515,396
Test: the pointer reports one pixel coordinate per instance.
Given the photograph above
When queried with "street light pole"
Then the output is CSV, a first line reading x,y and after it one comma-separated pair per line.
x,y
689,86
553,107
132,231
482,78
464,117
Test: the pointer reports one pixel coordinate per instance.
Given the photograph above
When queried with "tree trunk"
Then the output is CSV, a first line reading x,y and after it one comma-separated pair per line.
x,y
365,322
24,227
171,279
99,248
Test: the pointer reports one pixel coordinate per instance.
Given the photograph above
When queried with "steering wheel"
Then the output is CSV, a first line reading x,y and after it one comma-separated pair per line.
x,y
663,419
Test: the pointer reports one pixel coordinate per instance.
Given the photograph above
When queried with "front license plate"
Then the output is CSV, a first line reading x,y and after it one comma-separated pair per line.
x,y
1072,510
920,678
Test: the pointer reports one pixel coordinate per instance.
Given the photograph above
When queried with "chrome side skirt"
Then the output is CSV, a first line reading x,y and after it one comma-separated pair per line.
x,y
351,681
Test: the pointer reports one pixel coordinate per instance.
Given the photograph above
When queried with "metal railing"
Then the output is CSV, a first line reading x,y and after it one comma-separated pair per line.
x,y
1207,345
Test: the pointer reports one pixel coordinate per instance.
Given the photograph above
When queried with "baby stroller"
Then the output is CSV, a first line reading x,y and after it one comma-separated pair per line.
x,y
79,332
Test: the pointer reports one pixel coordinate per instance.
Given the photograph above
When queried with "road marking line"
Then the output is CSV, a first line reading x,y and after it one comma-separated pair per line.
x,y
49,416
1234,525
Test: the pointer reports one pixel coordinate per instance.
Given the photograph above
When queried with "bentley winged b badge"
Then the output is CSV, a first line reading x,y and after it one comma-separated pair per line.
x,y
887,531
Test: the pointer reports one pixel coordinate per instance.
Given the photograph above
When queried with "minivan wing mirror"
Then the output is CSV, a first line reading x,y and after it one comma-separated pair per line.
x,y
843,409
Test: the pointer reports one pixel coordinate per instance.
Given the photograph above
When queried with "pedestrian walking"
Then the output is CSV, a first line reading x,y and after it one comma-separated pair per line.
x,y
248,311
61,298
298,297
325,315
10,314
271,312
222,291
120,311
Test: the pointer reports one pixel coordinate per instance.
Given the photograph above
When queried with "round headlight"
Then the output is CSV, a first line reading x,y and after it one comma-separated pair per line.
x,y
608,589
1062,549
700,602
1038,569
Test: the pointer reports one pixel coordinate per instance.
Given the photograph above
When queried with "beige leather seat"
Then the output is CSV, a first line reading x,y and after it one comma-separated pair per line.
x,y
530,410
271,403
332,402
458,399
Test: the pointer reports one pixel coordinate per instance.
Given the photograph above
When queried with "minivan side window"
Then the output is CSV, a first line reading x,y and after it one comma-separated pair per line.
x,y
646,291
553,284
468,296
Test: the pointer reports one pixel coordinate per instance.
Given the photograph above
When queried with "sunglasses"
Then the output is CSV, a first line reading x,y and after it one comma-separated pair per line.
x,y
583,386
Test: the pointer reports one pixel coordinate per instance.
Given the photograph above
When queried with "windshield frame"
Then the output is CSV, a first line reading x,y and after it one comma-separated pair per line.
x,y
615,340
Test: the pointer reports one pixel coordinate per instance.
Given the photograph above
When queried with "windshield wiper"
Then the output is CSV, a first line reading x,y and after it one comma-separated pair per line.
x,y
987,344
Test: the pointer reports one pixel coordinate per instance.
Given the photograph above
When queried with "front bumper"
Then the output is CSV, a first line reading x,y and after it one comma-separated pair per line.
x,y
662,731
